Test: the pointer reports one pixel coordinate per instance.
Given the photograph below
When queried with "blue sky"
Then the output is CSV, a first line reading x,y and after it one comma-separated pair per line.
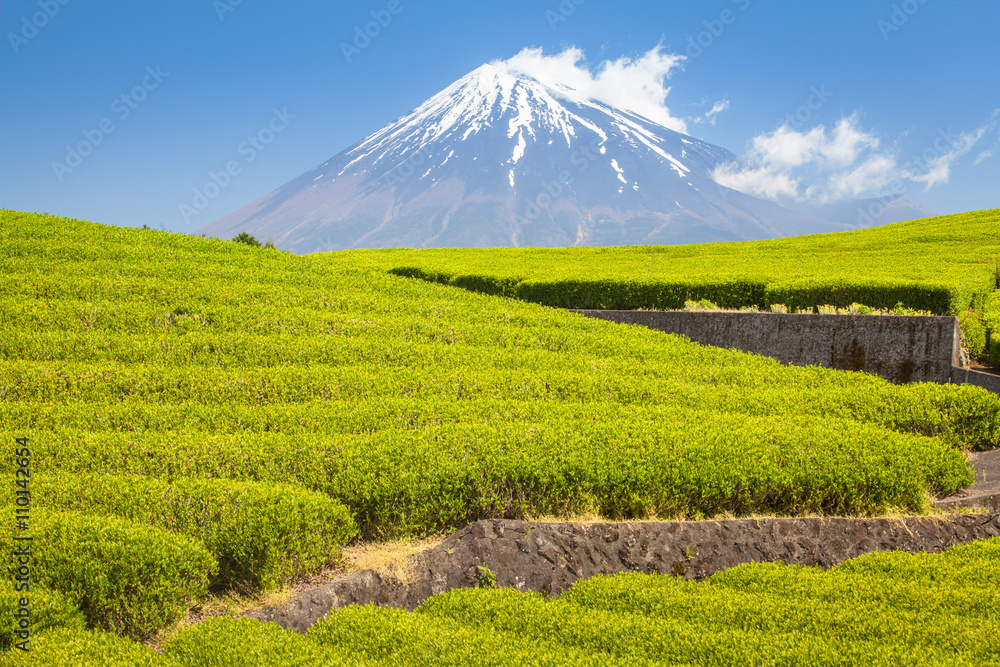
x,y
162,95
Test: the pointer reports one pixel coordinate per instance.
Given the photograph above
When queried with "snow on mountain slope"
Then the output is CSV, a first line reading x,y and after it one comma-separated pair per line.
x,y
499,159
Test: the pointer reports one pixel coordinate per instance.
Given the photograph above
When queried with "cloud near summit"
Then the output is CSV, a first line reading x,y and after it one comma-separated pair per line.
x,y
820,165
817,164
633,84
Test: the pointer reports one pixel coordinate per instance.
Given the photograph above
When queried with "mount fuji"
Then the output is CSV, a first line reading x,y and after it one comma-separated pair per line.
x,y
501,159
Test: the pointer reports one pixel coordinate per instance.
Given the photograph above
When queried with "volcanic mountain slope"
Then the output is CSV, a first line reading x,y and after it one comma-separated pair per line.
x,y
500,159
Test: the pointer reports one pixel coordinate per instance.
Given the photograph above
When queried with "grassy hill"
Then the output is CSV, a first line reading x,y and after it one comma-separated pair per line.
x,y
203,414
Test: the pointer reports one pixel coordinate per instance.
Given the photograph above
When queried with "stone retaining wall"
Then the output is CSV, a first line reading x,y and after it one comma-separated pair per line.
x,y
549,557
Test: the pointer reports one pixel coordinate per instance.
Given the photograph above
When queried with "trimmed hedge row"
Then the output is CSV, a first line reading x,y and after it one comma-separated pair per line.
x,y
239,642
881,609
82,648
618,294
623,463
885,608
126,578
703,465
262,534
403,482
945,265
396,637
991,320
975,333
720,380
614,294
966,416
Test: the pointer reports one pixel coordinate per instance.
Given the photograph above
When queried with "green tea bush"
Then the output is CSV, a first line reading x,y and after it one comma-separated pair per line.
x,y
991,321
47,610
875,293
395,637
486,285
622,463
261,534
704,304
235,642
126,578
943,265
975,333
708,466
881,609
966,418
588,293
420,408
591,630
82,648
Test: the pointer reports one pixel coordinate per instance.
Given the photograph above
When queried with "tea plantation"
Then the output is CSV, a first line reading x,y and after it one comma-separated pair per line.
x,y
206,416
944,265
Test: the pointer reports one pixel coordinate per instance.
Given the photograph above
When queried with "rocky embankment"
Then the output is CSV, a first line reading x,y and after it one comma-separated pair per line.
x,y
549,557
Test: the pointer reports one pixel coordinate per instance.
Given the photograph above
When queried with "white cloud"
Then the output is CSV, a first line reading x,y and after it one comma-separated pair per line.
x,y
938,167
785,147
710,115
874,173
985,155
847,143
716,109
845,161
761,181
633,84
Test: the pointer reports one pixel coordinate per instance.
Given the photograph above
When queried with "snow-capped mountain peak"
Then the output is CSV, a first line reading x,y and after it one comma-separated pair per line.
x,y
499,158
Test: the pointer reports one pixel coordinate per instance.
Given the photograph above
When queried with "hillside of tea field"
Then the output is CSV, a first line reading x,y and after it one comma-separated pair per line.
x,y
945,265
204,415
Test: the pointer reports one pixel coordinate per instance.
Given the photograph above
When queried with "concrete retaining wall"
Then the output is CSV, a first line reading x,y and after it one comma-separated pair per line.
x,y
987,381
899,348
